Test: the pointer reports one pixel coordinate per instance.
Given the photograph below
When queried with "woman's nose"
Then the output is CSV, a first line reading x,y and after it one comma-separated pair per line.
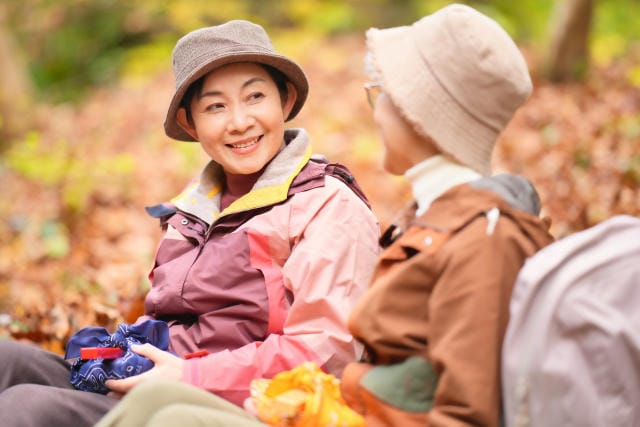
x,y
240,120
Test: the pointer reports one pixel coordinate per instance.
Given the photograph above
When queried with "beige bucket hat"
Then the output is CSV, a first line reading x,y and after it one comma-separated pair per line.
x,y
201,51
456,76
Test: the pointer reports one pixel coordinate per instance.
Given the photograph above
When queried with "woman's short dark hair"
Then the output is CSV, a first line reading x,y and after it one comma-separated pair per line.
x,y
196,87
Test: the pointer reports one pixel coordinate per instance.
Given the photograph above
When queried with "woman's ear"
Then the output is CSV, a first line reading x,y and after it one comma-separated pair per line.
x,y
292,95
185,123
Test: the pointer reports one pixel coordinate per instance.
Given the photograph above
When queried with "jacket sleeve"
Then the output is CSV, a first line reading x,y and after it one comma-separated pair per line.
x,y
469,309
335,247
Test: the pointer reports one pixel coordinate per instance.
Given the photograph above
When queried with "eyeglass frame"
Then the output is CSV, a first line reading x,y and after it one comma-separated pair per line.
x,y
373,91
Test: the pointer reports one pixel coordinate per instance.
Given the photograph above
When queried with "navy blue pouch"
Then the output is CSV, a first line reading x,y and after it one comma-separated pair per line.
x,y
90,375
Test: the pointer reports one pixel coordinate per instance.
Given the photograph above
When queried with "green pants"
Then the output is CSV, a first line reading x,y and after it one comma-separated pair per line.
x,y
168,403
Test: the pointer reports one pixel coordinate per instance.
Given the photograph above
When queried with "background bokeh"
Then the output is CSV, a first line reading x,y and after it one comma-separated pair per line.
x,y
84,89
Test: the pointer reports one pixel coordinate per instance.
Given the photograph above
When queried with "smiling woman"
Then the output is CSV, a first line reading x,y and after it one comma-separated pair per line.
x,y
238,117
264,252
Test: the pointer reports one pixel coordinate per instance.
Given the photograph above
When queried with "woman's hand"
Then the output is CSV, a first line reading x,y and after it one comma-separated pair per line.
x,y
166,366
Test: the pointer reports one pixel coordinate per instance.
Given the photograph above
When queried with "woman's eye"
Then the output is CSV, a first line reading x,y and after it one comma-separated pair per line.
x,y
215,107
256,96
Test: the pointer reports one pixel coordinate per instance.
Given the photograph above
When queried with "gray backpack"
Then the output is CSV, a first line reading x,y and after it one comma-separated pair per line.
x,y
571,354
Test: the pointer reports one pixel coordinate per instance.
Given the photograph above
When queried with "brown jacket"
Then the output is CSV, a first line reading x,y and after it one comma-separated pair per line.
x,y
434,319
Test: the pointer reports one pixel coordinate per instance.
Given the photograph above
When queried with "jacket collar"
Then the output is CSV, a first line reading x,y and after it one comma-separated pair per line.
x,y
463,203
459,205
504,191
435,175
202,197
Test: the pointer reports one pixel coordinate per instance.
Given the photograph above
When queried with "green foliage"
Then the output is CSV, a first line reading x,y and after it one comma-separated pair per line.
x,y
582,159
79,284
186,15
617,17
140,62
631,171
75,44
550,135
614,29
526,20
629,126
326,17
58,166
55,239
606,47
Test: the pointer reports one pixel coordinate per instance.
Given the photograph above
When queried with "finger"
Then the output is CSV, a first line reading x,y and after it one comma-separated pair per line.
x,y
249,406
147,350
123,385
153,353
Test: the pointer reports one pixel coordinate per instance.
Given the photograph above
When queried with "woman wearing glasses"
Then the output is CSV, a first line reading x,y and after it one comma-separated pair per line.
x,y
433,320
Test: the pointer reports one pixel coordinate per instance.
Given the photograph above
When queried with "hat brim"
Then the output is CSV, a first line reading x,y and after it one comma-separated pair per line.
x,y
292,71
434,113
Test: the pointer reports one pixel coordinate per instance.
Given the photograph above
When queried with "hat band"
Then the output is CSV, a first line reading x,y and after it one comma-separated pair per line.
x,y
220,54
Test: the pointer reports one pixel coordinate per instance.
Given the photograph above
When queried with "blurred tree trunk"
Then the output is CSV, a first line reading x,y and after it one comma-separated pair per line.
x,y
568,55
15,88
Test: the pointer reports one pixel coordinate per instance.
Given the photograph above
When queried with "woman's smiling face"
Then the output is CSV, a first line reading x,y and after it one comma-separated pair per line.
x,y
238,117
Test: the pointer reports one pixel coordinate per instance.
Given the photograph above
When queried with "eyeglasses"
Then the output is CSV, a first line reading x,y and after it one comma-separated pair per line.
x,y
373,92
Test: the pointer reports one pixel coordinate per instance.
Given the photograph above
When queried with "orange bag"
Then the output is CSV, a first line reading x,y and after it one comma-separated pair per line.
x,y
302,397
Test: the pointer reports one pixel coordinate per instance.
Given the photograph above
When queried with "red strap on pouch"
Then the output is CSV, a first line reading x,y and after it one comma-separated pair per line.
x,y
101,353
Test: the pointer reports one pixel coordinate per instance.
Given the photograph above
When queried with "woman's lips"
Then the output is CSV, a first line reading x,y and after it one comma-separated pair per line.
x,y
245,146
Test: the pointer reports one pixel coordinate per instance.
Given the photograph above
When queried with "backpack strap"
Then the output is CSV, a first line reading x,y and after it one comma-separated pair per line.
x,y
341,172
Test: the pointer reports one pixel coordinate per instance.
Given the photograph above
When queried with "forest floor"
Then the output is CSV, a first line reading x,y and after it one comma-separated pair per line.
x,y
76,244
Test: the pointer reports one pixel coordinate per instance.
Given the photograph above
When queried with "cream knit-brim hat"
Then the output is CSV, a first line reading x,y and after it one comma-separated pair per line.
x,y
456,76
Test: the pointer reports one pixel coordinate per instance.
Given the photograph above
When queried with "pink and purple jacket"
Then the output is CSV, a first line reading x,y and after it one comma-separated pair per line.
x,y
269,282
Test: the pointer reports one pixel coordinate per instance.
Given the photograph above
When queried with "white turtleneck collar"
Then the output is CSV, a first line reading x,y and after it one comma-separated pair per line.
x,y
435,175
